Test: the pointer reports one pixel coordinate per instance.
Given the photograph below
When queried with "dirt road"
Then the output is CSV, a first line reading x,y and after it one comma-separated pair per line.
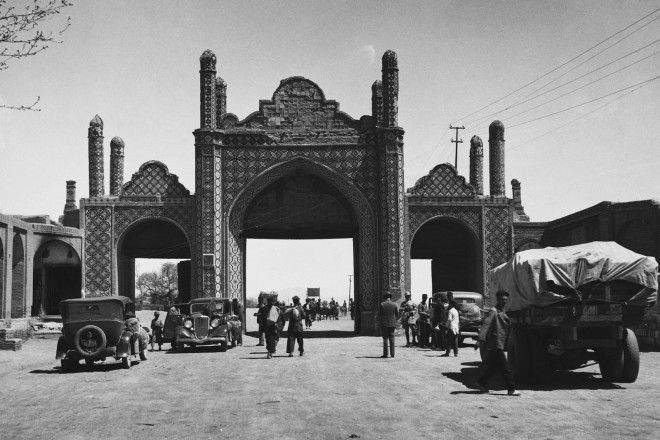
x,y
340,389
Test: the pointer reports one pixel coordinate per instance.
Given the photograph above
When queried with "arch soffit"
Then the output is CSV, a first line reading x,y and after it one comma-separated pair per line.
x,y
55,240
454,219
357,201
137,222
18,249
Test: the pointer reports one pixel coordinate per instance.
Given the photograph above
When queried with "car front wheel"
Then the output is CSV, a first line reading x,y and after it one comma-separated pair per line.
x,y
126,362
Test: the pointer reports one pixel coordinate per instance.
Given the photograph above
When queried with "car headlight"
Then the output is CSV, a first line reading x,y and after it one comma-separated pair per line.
x,y
215,322
188,324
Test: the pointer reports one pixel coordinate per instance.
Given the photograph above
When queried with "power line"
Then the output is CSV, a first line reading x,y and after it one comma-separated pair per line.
x,y
591,58
586,102
561,65
575,79
554,130
578,88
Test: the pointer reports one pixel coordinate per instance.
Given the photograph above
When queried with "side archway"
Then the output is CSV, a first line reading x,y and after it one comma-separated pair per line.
x,y
18,278
455,253
56,276
342,191
159,238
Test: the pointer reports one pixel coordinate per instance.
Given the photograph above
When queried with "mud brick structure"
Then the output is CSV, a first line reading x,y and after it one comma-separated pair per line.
x,y
295,168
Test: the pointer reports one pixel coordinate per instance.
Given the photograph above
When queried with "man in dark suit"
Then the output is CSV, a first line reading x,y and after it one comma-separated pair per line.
x,y
296,315
389,314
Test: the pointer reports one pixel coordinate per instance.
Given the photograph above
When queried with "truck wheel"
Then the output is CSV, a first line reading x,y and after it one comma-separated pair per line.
x,y
611,364
630,357
539,368
126,362
519,356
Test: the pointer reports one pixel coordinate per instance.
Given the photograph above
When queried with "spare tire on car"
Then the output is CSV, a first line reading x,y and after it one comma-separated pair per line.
x,y
89,341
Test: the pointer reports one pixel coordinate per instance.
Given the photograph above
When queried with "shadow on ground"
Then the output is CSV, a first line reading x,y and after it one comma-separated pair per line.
x,y
559,380
82,368
315,334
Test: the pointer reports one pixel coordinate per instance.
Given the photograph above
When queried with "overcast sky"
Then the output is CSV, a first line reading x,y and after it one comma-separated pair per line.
x,y
136,64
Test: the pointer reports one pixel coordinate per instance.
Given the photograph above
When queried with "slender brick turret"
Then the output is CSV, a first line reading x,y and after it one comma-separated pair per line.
x,y
496,159
220,99
477,164
377,102
207,98
390,89
70,204
116,165
95,151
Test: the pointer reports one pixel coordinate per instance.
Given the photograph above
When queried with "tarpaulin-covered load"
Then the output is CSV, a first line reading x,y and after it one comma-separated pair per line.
x,y
527,274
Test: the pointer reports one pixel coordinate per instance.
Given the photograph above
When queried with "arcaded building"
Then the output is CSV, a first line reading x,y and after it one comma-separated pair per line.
x,y
296,168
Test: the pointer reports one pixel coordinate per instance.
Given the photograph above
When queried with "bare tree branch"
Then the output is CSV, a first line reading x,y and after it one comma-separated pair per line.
x,y
28,30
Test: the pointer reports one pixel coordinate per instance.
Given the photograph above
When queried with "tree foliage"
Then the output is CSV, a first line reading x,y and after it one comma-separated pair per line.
x,y
28,27
159,288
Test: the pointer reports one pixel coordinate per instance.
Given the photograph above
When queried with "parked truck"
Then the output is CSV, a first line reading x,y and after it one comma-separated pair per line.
x,y
572,305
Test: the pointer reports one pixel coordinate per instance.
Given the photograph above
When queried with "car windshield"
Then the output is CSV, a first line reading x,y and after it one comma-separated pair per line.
x,y
201,307
93,310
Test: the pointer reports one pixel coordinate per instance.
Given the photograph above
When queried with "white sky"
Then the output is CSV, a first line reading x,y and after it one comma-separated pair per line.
x,y
136,64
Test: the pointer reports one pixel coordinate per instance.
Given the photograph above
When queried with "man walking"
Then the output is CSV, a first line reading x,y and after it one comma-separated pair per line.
x,y
272,329
389,314
261,319
296,315
237,310
494,335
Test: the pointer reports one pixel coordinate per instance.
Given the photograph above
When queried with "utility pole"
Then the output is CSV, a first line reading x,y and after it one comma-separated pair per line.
x,y
456,141
350,280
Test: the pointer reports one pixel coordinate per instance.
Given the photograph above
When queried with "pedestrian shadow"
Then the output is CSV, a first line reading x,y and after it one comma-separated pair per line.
x,y
558,380
314,334
97,368
371,357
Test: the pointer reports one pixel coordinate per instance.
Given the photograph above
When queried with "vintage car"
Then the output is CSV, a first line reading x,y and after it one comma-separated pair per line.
x,y
205,323
470,315
94,329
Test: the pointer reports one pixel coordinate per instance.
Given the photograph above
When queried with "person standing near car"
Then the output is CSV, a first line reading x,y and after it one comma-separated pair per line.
x,y
452,325
296,314
237,310
388,313
156,331
407,308
494,336
423,322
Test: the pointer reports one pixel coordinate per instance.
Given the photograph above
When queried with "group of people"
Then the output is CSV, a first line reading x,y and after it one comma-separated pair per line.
x,y
434,325
442,317
273,316
317,310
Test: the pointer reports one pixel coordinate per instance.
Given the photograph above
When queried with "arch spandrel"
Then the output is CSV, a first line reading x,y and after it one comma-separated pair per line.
x,y
442,181
364,217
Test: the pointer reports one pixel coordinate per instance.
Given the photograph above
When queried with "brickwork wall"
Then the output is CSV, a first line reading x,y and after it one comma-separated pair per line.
x,y
18,290
527,235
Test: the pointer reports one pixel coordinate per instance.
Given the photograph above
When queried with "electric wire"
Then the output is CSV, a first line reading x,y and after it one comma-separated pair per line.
x,y
561,65
642,83
575,79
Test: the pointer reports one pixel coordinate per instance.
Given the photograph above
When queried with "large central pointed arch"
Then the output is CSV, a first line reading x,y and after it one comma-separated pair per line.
x,y
364,241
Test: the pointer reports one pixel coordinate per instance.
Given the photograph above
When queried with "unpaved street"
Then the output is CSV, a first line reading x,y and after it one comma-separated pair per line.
x,y
340,389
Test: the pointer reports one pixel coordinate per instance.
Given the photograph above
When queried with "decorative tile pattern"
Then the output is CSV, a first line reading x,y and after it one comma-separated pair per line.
x,y
95,153
98,250
442,181
154,179
498,228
